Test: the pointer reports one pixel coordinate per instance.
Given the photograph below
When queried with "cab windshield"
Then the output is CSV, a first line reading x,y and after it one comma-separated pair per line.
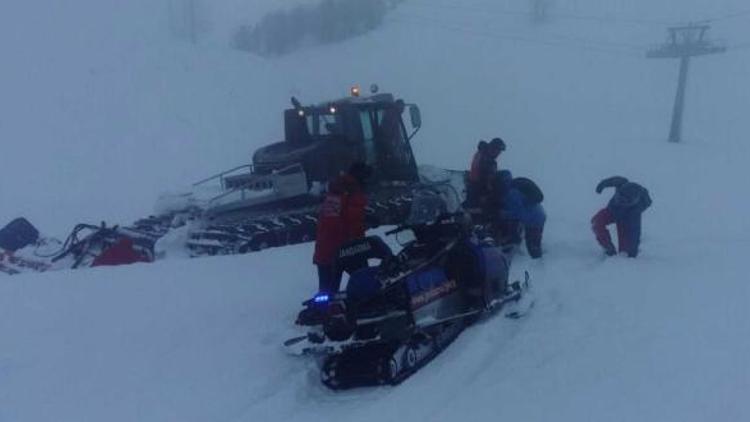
x,y
324,124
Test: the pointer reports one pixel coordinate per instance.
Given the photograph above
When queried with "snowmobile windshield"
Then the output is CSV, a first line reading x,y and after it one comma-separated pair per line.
x,y
431,203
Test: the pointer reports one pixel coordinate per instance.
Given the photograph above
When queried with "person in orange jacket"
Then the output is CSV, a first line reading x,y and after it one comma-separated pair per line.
x,y
341,218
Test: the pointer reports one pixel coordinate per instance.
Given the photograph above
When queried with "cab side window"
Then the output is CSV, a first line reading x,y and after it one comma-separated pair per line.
x,y
391,134
368,136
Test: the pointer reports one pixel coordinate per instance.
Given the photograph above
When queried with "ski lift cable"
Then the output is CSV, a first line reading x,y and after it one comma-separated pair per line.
x,y
581,45
568,16
564,41
572,16
557,37
731,15
739,47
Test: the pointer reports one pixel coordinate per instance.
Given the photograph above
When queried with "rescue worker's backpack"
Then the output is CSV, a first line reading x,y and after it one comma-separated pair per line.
x,y
18,234
530,190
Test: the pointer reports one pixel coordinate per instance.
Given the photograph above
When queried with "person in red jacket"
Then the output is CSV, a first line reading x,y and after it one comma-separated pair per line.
x,y
341,219
482,172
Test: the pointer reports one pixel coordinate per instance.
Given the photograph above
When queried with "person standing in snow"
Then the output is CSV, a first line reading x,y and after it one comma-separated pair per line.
x,y
520,210
624,209
482,172
341,218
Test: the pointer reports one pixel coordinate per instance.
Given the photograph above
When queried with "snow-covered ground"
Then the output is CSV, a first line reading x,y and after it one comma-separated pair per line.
x,y
662,338
102,109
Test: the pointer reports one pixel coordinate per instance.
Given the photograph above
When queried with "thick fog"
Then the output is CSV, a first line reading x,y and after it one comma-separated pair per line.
x,y
106,104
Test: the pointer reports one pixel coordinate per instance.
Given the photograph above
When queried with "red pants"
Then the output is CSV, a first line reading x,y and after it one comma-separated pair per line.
x,y
599,224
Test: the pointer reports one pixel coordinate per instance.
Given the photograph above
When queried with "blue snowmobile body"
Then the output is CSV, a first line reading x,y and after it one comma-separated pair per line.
x,y
394,317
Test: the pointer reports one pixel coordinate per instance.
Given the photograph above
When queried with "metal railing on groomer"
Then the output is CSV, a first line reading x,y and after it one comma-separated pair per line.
x,y
222,176
256,182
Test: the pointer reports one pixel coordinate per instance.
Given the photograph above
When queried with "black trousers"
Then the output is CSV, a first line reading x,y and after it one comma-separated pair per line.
x,y
329,278
533,237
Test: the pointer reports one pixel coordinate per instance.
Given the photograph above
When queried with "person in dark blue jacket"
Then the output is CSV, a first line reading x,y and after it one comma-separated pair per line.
x,y
521,210
624,209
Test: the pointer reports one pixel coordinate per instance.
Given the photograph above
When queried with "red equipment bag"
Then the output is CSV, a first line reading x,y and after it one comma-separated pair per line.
x,y
121,253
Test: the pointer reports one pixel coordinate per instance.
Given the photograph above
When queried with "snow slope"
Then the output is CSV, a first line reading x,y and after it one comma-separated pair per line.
x,y
103,108
663,338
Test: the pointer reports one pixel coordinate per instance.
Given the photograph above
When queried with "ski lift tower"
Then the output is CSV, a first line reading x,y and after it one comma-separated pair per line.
x,y
683,43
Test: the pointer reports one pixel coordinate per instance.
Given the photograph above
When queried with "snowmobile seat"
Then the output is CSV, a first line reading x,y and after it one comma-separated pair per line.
x,y
465,265
18,234
363,284
481,271
354,257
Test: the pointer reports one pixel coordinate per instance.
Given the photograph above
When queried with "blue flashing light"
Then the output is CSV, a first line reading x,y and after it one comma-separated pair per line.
x,y
321,298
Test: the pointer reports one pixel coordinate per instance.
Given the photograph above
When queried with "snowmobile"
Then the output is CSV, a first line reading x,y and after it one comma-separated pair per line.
x,y
23,249
394,317
92,246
